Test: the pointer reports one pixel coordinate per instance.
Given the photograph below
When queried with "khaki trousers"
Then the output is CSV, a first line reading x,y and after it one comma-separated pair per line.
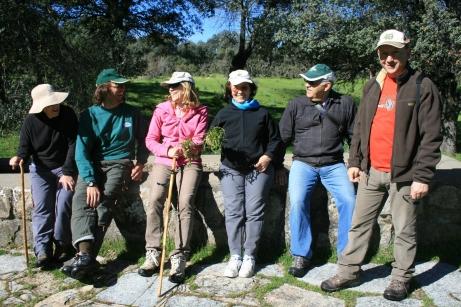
x,y
187,182
371,191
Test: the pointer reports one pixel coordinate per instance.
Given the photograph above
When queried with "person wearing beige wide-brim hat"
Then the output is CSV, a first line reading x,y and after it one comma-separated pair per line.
x,y
47,141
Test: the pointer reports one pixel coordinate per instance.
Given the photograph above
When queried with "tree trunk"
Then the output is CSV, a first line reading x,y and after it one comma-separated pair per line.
x,y
451,109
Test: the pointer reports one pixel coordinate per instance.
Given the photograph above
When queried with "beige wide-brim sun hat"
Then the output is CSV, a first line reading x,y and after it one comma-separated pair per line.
x,y
43,96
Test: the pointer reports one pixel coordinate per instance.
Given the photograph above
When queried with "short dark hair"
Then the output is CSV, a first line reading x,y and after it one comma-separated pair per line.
x,y
228,92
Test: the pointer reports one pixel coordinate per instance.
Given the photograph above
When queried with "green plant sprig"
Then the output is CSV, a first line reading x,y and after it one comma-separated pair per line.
x,y
214,139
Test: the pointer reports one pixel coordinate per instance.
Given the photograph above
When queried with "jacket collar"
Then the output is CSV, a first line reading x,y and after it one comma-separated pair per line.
x,y
400,79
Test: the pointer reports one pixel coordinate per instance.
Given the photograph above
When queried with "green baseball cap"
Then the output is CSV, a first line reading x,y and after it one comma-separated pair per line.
x,y
110,75
319,72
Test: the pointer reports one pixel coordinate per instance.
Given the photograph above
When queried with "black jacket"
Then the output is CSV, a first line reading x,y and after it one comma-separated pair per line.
x,y
316,139
50,142
248,134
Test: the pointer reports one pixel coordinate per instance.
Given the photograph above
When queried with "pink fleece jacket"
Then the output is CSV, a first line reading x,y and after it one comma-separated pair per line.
x,y
167,130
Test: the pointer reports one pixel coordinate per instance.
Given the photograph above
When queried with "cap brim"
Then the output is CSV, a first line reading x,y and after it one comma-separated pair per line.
x,y
120,80
394,44
240,81
311,79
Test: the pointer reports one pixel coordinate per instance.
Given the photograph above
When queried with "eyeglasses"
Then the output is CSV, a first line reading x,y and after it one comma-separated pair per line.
x,y
173,86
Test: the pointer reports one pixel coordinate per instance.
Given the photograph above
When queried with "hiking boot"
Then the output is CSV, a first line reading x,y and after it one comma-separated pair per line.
x,y
233,266
42,260
299,267
178,268
248,267
397,290
337,283
82,265
151,263
62,253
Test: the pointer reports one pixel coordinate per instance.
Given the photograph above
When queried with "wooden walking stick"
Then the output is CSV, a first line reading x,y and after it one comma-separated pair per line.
x,y
165,224
24,223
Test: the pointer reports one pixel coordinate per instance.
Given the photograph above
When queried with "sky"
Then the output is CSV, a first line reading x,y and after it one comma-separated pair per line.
x,y
212,26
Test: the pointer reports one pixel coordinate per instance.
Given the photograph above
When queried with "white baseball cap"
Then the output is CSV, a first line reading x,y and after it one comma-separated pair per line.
x,y
239,76
393,38
178,77
43,96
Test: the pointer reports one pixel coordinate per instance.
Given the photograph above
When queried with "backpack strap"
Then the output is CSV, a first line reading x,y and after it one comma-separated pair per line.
x,y
419,80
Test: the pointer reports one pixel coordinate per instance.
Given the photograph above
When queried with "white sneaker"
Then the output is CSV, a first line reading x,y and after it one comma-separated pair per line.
x,y
233,266
248,267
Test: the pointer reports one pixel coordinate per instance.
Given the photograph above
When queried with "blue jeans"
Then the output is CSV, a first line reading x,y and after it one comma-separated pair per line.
x,y
302,181
52,209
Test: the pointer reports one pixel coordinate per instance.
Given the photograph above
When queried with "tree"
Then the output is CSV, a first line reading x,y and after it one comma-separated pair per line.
x,y
343,35
253,26
67,42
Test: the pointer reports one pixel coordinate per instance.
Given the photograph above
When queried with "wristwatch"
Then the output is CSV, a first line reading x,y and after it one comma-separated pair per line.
x,y
91,184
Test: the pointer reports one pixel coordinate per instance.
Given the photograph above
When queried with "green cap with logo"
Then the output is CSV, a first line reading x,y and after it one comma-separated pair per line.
x,y
110,75
319,72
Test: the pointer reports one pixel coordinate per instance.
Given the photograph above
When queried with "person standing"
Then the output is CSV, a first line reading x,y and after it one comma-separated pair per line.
x,y
249,149
318,124
179,121
48,137
111,134
395,148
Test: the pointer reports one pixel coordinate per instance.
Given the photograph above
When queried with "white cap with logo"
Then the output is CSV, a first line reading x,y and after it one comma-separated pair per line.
x,y
239,76
393,38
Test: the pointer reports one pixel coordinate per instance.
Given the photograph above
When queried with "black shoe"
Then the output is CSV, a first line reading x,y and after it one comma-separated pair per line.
x,y
82,265
397,290
337,283
299,267
62,253
42,261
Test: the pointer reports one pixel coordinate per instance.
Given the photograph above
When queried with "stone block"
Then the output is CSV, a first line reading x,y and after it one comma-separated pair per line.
x,y
6,203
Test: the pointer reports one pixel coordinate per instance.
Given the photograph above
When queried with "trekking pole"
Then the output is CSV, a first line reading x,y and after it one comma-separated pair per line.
x,y
165,224
24,223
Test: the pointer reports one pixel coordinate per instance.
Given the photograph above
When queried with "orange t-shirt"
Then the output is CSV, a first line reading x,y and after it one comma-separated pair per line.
x,y
382,128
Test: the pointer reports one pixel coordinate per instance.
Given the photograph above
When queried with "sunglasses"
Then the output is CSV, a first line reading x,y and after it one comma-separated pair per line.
x,y
172,86
314,83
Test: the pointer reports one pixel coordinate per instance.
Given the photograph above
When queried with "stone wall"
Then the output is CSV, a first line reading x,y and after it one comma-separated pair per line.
x,y
439,215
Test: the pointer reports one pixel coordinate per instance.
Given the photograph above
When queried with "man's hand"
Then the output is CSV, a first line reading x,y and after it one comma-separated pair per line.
x,y
281,178
418,190
263,163
93,196
67,182
136,172
14,161
354,174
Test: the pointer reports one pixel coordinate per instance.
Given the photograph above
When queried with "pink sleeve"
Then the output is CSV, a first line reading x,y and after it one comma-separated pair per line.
x,y
154,136
199,134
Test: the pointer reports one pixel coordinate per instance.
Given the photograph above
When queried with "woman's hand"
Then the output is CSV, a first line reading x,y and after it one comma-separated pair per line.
x,y
263,163
67,182
14,161
175,152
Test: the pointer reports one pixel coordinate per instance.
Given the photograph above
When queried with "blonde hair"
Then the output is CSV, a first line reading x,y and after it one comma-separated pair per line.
x,y
190,96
